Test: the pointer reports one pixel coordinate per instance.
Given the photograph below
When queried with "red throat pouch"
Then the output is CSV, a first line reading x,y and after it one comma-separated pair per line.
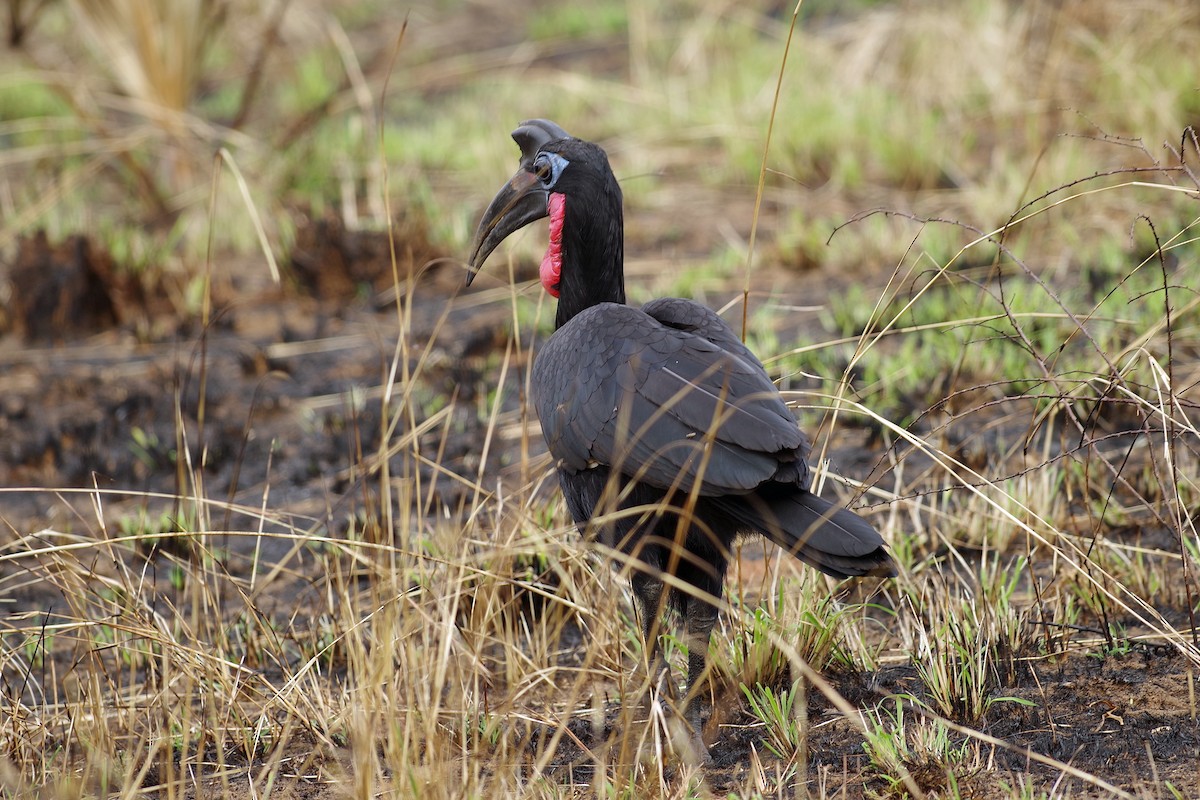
x,y
551,269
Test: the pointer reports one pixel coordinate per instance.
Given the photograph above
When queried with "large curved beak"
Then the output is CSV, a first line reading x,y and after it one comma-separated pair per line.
x,y
520,201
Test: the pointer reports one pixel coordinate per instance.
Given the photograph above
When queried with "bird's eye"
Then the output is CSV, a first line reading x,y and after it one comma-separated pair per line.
x,y
547,168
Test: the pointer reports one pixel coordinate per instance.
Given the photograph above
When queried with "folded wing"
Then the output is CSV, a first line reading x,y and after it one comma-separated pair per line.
x,y
667,395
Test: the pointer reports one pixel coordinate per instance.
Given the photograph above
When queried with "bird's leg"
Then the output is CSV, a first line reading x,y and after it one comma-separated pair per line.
x,y
649,593
701,618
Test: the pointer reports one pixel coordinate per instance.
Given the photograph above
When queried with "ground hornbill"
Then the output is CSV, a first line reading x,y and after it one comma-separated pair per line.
x,y
670,439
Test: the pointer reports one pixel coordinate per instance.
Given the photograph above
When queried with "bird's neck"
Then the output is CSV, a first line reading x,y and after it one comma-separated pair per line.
x,y
592,252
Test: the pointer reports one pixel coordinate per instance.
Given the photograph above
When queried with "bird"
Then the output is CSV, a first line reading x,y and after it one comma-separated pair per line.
x,y
670,440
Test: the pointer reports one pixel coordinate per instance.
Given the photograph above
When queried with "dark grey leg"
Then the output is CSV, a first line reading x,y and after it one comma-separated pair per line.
x,y
649,593
701,618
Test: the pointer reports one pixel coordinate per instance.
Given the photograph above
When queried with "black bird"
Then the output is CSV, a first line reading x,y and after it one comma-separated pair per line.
x,y
670,439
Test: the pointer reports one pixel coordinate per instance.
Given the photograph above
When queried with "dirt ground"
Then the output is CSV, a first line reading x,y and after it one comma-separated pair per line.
x,y
89,413
90,404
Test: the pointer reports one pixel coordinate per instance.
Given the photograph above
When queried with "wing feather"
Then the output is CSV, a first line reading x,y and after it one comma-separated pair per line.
x,y
672,404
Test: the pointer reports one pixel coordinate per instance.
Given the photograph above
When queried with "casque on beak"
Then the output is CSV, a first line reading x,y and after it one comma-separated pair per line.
x,y
520,201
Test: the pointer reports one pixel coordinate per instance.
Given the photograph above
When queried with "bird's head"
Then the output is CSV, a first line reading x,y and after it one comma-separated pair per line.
x,y
569,181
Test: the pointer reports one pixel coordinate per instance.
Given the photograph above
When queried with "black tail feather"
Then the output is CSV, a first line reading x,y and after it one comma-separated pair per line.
x,y
833,539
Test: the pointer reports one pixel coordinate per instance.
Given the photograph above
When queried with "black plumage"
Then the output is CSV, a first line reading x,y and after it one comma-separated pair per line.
x,y
670,439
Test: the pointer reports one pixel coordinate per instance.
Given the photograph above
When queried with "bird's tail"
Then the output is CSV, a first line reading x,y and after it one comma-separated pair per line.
x,y
834,540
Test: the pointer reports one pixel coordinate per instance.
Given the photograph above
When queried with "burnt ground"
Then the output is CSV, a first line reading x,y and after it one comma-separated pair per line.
x,y
274,390
96,369
1123,719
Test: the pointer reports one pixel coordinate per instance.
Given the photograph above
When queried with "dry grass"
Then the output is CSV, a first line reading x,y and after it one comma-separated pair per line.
x,y
416,654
